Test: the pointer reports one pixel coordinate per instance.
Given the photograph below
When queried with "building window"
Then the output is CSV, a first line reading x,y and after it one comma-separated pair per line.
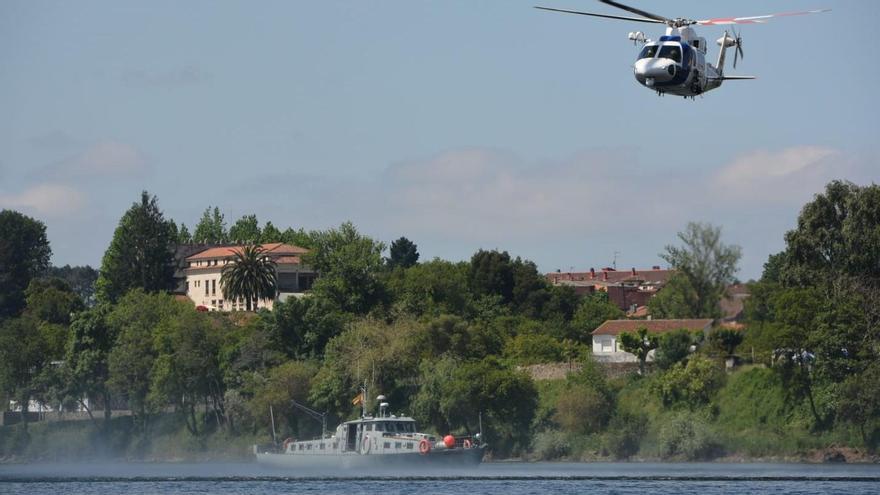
x,y
187,285
206,289
213,287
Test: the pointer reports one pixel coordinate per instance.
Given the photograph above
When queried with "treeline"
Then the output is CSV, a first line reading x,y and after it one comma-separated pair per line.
x,y
446,342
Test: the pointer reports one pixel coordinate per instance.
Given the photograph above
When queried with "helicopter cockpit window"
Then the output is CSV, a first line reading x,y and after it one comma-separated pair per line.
x,y
671,52
648,52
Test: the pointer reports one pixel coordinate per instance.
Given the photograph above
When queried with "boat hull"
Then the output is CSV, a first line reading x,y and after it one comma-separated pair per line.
x,y
452,458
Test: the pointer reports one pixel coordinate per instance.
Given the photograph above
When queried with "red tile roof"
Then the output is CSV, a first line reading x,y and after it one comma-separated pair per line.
x,y
273,249
615,327
608,276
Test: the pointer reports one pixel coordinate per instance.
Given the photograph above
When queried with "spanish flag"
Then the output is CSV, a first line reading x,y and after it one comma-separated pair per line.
x,y
358,399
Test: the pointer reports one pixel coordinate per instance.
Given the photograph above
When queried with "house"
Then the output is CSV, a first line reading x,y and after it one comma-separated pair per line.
x,y
733,305
605,338
204,270
629,290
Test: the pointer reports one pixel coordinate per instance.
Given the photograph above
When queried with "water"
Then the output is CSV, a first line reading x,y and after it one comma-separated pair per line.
x,y
491,478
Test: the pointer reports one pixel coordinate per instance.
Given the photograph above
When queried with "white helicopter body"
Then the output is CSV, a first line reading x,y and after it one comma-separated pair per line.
x,y
676,63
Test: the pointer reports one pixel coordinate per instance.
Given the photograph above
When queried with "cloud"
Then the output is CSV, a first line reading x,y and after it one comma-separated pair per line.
x,y
104,159
52,200
177,77
780,176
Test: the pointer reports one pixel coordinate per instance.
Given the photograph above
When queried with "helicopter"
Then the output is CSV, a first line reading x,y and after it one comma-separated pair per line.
x,y
676,63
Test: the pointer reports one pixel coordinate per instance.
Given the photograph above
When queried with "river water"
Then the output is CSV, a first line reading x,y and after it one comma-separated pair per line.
x,y
507,478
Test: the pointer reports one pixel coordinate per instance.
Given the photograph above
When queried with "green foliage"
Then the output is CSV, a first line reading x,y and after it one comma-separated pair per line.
x,y
133,320
593,310
454,393
624,436
186,371
81,280
693,385
639,344
582,409
837,234
689,437
725,341
140,254
299,238
23,358
350,264
24,254
52,301
386,356
403,253
283,384
673,348
245,231
533,348
676,299
859,404
550,445
706,267
432,288
183,235
86,358
270,234
251,277
211,228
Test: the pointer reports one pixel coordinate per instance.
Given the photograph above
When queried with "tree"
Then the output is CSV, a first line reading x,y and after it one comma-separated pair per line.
x,y
140,254
299,238
708,266
859,404
491,273
837,233
350,265
24,254
52,300
271,234
23,358
81,280
88,350
639,344
403,253
183,235
725,340
211,229
251,277
432,288
693,384
130,363
672,348
245,231
593,310
186,371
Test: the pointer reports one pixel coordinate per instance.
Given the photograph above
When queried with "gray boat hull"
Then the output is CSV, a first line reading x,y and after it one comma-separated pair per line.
x,y
452,458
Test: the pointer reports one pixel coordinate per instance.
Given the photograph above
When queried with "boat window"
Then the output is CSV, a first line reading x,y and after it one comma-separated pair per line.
x,y
409,427
387,445
671,52
648,51
370,427
380,427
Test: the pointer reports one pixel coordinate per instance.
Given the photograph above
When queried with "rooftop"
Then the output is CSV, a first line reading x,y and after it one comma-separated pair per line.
x,y
615,327
273,249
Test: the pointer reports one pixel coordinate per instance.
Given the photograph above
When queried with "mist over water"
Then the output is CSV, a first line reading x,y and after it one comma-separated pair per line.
x,y
510,478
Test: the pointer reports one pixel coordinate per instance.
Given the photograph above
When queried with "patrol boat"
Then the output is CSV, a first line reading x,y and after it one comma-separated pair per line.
x,y
385,441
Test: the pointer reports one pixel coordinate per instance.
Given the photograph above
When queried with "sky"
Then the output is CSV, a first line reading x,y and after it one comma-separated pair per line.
x,y
459,124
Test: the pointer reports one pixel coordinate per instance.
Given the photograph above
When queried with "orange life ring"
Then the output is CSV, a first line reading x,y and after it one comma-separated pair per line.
x,y
467,443
287,441
424,446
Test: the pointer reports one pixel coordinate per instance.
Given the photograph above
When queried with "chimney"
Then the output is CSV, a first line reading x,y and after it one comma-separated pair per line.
x,y
592,273
656,267
634,271
604,275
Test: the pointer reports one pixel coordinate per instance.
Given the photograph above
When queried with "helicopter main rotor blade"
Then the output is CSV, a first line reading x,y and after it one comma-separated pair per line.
x,y
758,19
636,11
606,16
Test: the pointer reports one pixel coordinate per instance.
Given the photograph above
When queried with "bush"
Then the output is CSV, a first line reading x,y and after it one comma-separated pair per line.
x,y
673,348
694,384
624,436
532,348
551,445
689,438
582,409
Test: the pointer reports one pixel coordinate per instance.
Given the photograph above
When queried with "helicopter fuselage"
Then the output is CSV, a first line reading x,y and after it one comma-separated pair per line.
x,y
676,64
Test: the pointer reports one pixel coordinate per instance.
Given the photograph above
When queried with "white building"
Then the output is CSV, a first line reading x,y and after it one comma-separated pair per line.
x,y
204,275
606,345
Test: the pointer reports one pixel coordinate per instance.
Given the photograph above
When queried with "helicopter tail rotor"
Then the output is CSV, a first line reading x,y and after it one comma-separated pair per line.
x,y
738,54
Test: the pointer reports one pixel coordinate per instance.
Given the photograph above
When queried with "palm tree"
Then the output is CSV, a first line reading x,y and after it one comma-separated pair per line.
x,y
250,277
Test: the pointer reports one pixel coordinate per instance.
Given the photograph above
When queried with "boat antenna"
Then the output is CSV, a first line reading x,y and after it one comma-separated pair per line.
x,y
322,417
272,417
364,400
